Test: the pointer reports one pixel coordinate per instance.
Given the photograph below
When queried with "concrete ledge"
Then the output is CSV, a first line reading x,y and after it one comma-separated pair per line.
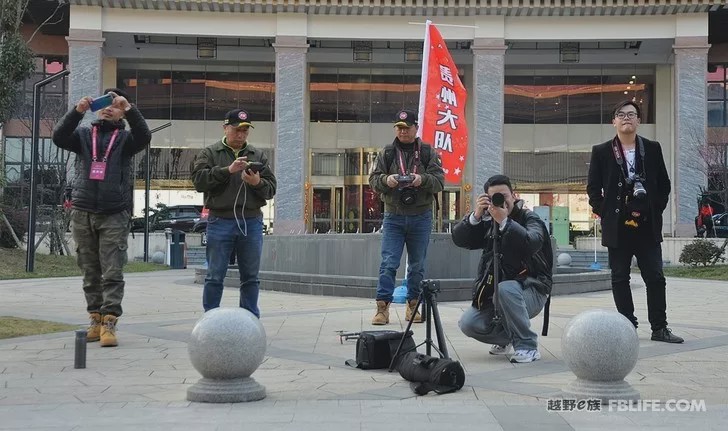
x,y
453,289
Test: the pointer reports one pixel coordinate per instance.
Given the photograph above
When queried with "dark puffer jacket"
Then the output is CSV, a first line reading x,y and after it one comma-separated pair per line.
x,y
524,246
114,193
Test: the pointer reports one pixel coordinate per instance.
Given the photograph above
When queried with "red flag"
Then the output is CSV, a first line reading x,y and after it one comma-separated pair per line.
x,y
442,106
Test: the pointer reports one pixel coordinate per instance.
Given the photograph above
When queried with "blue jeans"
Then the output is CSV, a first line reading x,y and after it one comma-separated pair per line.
x,y
224,237
517,307
398,231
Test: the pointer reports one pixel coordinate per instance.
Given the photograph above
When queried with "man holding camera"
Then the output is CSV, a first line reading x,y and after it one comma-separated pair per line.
x,y
407,174
628,188
524,261
237,181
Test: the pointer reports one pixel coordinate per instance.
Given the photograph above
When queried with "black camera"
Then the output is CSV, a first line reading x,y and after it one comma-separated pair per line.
x,y
638,189
430,286
428,373
408,195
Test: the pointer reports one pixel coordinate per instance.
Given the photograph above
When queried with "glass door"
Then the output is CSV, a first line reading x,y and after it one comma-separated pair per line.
x,y
322,209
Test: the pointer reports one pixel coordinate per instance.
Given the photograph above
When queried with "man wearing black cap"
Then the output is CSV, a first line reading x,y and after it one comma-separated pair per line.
x,y
101,200
407,174
237,181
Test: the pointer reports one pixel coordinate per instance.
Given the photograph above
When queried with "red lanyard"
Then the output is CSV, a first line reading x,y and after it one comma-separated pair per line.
x,y
94,138
417,159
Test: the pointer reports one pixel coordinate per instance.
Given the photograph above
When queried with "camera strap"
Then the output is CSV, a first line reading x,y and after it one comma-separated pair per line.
x,y
402,167
619,156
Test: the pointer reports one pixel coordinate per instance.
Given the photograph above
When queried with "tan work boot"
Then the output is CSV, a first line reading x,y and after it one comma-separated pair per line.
x,y
411,304
108,331
382,316
93,333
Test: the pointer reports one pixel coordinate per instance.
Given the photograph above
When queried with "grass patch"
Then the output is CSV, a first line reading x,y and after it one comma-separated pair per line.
x,y
11,327
13,266
717,272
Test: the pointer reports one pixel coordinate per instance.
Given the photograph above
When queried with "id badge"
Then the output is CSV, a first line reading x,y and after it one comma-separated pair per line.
x,y
98,171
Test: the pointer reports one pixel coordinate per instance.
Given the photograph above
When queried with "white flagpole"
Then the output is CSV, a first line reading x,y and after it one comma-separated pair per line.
x,y
423,79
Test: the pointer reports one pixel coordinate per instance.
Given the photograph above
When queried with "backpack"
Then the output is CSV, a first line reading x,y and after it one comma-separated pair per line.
x,y
426,156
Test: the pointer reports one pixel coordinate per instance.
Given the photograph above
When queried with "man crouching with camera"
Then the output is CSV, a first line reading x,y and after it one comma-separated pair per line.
x,y
524,270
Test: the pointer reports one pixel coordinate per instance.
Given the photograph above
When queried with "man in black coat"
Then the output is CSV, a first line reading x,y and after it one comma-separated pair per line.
x,y
628,189
525,271
101,201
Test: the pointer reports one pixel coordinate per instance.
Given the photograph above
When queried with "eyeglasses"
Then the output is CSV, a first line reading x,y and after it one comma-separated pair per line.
x,y
623,115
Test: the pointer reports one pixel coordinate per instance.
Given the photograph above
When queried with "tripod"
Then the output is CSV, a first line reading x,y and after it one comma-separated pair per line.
x,y
430,289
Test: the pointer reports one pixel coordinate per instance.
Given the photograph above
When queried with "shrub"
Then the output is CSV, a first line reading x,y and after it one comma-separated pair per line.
x,y
701,252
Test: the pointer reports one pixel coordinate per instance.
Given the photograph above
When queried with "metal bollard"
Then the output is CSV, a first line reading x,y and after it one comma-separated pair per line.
x,y
80,350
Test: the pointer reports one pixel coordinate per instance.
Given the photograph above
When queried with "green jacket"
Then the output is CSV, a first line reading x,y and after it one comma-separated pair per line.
x,y
210,175
433,178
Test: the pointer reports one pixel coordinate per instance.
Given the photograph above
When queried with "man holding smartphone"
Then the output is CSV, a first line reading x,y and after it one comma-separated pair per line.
x,y
237,181
101,200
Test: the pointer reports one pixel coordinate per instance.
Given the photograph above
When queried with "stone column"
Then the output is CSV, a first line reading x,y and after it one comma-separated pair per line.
x,y
487,102
85,56
691,63
291,133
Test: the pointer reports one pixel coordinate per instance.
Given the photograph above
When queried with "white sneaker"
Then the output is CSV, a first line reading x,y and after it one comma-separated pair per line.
x,y
524,356
501,350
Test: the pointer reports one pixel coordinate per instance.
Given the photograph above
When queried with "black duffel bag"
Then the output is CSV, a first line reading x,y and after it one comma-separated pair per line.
x,y
375,349
431,374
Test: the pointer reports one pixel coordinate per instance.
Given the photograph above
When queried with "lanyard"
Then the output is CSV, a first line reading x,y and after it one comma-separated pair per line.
x,y
94,138
417,159
619,156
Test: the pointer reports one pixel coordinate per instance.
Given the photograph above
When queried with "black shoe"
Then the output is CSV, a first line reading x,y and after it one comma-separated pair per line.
x,y
666,335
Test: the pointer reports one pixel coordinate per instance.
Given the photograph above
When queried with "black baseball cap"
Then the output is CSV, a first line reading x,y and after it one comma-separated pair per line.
x,y
405,119
237,118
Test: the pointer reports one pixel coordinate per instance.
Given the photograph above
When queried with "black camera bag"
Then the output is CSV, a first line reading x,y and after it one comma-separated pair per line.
x,y
375,349
428,373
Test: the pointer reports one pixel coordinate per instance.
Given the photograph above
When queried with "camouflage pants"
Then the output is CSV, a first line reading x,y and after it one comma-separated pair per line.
x,y
101,244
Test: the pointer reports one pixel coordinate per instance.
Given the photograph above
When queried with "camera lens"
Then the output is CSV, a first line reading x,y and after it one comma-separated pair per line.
x,y
498,199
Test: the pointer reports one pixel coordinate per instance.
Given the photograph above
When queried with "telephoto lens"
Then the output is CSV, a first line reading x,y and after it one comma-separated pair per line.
x,y
431,374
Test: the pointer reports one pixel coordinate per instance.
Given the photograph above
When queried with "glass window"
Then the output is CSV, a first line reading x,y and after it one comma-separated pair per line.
x,y
550,102
188,95
719,74
327,164
351,209
585,100
716,91
519,97
222,92
14,150
354,92
257,95
153,93
717,114
372,207
637,88
323,96
387,97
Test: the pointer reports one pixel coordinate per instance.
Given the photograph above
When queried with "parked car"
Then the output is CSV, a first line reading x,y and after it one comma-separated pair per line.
x,y
177,217
720,222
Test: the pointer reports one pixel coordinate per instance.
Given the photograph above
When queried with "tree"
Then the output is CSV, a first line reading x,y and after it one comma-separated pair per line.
x,y
712,162
16,59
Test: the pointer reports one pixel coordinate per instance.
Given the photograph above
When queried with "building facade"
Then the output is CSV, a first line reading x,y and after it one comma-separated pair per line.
x,y
322,82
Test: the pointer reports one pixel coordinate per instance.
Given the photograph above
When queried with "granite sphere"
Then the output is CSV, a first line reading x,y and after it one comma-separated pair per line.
x,y
564,259
227,343
158,257
600,345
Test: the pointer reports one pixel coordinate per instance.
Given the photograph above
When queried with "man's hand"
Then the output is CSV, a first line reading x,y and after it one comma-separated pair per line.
x,y
418,180
239,165
120,102
481,206
392,181
499,214
250,177
83,105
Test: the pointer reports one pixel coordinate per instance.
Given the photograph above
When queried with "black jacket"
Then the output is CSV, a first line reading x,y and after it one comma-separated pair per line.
x,y
433,177
524,245
210,175
115,192
607,189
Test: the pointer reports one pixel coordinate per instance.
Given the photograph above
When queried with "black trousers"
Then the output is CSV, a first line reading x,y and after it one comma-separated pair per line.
x,y
649,261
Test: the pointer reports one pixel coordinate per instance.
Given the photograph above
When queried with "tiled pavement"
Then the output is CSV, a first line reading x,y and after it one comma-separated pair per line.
x,y
142,384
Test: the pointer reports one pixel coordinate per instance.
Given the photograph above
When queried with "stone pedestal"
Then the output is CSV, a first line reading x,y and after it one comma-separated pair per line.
x,y
600,347
226,346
